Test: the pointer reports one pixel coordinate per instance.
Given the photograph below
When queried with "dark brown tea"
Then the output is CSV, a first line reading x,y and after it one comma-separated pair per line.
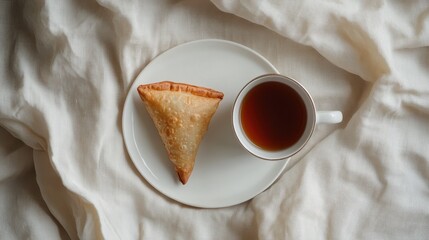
x,y
273,116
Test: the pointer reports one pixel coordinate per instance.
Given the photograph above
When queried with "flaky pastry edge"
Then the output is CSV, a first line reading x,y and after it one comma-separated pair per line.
x,y
182,87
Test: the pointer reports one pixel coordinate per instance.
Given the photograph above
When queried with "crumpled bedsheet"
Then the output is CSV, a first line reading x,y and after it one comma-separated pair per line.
x,y
66,67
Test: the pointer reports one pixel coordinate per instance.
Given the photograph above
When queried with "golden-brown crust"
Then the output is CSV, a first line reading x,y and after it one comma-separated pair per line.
x,y
181,113
183,175
182,87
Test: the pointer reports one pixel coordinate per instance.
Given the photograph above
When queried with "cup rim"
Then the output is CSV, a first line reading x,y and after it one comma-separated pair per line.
x,y
312,126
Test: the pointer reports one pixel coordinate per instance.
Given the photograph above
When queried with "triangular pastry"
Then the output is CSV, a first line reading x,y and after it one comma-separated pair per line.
x,y
181,113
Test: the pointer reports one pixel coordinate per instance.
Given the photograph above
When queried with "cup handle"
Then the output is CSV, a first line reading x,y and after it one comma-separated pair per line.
x,y
329,117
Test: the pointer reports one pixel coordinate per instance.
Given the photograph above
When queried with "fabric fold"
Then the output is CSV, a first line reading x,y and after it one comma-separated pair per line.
x,y
65,70
361,177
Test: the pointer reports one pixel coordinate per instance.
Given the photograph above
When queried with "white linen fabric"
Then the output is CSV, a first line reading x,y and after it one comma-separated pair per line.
x,y
66,67
370,179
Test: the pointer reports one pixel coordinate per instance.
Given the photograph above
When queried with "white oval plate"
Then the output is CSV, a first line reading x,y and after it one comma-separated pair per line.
x,y
224,174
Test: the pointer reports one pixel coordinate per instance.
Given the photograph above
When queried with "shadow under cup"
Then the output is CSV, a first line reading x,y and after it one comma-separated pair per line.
x,y
271,107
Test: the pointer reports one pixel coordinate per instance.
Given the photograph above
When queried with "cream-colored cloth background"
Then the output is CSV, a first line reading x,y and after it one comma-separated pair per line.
x,y
66,67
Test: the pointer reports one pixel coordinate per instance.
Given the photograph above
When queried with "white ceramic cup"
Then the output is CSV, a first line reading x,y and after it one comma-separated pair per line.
x,y
313,117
